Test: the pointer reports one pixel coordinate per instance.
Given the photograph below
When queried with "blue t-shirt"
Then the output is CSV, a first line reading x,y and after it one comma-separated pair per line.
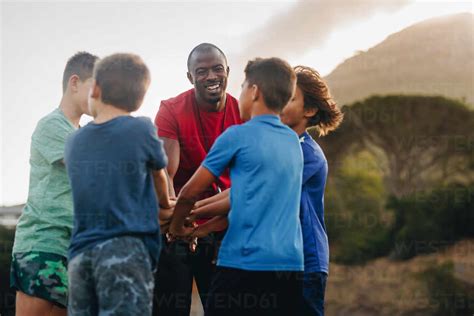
x,y
109,166
266,165
315,239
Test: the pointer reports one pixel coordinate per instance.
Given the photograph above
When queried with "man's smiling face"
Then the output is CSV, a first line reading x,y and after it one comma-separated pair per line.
x,y
208,73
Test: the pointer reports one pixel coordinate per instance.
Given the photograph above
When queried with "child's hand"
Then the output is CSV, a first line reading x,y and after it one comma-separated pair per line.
x,y
165,216
199,204
171,203
196,213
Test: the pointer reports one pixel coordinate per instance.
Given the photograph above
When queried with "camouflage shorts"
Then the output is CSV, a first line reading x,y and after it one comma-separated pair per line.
x,y
113,278
40,274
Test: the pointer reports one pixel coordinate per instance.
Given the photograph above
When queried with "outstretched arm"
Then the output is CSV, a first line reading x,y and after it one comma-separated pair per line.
x,y
221,195
188,195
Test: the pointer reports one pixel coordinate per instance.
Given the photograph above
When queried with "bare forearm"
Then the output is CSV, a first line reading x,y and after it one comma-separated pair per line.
x,y
215,224
161,187
181,211
222,195
219,207
171,190
187,197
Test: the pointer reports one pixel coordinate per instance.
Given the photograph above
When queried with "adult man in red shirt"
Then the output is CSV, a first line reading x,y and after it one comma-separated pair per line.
x,y
189,124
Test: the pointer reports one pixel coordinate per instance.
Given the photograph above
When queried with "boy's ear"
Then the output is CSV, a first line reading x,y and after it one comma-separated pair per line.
x,y
255,92
95,91
308,113
190,78
73,83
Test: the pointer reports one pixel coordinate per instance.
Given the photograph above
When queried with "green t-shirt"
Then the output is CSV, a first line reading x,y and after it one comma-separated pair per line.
x,y
46,221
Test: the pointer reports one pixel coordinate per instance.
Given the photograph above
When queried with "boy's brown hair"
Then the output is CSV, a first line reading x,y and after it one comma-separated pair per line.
x,y
317,96
274,77
81,64
123,80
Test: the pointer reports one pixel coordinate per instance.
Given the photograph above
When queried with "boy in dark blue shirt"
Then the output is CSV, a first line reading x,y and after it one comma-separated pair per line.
x,y
112,163
312,106
261,256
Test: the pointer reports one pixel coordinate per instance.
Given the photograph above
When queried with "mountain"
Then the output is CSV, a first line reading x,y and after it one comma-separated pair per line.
x,y
433,57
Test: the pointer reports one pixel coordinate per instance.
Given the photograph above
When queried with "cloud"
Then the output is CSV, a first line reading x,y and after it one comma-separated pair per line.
x,y
306,25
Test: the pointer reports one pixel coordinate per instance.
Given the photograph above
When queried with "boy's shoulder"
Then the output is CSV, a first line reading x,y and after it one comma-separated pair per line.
x,y
128,122
54,118
53,125
142,125
311,149
143,121
234,131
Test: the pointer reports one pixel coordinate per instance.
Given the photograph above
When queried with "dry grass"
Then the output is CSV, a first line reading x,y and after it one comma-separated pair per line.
x,y
385,287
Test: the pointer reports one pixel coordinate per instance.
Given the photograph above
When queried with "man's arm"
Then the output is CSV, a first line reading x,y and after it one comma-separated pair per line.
x,y
171,147
188,195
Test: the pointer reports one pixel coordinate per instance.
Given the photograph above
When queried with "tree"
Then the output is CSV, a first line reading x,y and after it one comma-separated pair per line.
x,y
417,140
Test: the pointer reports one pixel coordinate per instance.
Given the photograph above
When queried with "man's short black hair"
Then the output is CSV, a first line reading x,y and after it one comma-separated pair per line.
x,y
123,80
274,77
204,48
81,64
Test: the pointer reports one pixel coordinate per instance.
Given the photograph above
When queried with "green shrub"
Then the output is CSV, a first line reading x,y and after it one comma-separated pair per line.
x,y
447,295
428,221
358,226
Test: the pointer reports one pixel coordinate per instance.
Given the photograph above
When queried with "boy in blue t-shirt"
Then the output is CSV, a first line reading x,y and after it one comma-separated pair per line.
x,y
261,256
313,106
112,163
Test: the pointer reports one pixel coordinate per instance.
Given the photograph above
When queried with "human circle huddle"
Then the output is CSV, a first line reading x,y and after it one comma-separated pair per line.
x,y
228,193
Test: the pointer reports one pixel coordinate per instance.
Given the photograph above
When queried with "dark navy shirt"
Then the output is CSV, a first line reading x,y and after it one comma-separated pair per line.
x,y
315,239
110,169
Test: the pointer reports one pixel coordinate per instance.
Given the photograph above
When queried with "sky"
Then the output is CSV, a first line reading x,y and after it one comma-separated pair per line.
x,y
38,37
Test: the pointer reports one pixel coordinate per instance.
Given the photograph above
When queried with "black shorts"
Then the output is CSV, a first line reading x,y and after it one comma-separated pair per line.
x,y
243,292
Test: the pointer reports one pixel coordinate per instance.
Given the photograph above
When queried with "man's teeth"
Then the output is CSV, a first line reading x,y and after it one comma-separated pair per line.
x,y
213,87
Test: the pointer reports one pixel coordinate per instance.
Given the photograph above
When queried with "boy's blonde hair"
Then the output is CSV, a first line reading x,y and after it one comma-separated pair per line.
x,y
123,80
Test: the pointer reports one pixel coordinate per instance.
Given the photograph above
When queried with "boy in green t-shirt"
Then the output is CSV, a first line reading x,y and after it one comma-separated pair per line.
x,y
43,232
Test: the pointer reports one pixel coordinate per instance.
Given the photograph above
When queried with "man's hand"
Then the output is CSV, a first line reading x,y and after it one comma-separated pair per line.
x,y
181,233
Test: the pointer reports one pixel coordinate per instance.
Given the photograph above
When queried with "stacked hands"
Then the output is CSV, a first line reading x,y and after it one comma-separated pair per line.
x,y
214,209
